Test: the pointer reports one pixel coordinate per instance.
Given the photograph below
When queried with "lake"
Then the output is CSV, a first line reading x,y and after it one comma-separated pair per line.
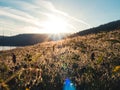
x,y
6,47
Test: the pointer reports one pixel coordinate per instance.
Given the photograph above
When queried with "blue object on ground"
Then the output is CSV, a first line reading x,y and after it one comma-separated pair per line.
x,y
68,85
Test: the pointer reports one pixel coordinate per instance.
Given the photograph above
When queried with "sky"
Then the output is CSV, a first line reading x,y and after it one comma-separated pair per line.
x,y
46,16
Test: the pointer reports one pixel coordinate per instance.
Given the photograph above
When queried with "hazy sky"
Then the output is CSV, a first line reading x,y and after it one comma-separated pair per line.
x,y
33,16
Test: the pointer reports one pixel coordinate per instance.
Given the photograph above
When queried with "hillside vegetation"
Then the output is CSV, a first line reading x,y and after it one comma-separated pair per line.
x,y
92,62
114,25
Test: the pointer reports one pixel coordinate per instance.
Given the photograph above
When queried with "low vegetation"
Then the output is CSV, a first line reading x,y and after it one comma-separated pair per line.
x,y
92,62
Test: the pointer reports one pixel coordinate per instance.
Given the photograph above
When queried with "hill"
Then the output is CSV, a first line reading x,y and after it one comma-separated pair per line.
x,y
28,39
22,39
31,39
102,28
92,62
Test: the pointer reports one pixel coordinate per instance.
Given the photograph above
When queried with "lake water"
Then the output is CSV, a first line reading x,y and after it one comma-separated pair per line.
x,y
6,48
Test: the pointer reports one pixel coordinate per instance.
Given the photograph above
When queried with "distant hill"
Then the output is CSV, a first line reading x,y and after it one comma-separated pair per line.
x,y
115,25
22,39
31,39
27,39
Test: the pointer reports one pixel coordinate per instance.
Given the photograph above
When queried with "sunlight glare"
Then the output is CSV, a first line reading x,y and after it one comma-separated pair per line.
x,y
55,25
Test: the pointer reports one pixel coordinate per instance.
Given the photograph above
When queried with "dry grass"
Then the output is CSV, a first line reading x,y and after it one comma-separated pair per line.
x,y
50,63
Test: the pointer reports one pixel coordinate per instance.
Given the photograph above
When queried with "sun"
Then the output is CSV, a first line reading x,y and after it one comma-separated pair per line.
x,y
55,25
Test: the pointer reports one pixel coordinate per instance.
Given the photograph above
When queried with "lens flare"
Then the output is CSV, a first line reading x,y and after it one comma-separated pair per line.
x,y
68,85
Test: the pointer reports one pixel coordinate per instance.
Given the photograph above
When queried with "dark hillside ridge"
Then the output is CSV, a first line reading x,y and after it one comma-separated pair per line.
x,y
23,39
28,39
31,39
115,25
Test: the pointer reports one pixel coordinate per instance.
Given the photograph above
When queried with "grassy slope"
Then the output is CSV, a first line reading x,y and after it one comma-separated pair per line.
x,y
49,63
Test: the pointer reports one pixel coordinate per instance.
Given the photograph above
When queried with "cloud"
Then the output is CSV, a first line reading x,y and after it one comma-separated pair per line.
x,y
18,15
31,14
